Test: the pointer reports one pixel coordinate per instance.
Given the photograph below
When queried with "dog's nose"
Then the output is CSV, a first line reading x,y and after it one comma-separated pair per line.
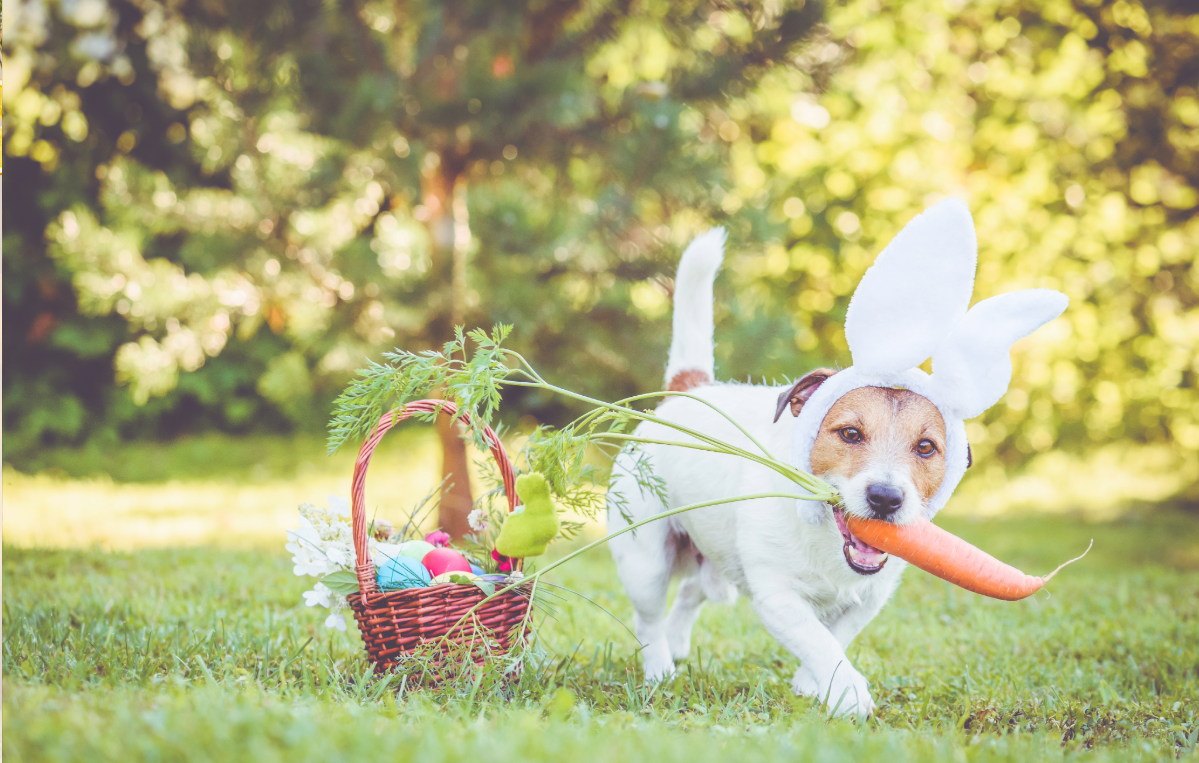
x,y
884,500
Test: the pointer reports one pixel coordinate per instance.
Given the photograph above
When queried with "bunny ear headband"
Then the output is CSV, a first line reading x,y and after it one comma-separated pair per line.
x,y
912,305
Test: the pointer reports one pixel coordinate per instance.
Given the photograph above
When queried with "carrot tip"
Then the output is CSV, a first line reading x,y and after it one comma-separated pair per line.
x,y
1072,561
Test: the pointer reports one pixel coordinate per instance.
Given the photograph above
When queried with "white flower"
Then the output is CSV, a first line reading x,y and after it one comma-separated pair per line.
x,y
319,595
307,554
515,576
322,544
336,621
337,556
304,536
339,505
477,520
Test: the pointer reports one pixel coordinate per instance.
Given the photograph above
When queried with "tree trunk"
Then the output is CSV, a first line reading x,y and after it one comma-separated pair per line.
x,y
449,230
456,502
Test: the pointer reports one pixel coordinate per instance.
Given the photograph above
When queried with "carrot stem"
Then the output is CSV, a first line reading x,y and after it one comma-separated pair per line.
x,y
1072,561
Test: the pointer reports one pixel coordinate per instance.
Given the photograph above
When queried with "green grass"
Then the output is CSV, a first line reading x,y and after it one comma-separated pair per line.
x,y
207,654
238,460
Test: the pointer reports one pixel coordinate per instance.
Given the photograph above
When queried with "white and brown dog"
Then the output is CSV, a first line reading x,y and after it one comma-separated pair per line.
x,y
887,436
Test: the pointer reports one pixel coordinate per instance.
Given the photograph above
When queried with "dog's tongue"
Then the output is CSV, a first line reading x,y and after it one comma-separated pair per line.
x,y
861,552
870,557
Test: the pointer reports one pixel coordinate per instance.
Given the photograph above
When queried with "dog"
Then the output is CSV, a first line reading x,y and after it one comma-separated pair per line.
x,y
814,586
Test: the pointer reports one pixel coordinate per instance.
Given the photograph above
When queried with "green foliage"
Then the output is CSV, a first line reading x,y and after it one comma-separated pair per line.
x,y
561,455
342,582
287,383
1070,130
209,177
210,654
473,380
216,191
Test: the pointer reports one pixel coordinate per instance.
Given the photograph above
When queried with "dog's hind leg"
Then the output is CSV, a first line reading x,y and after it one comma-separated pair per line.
x,y
688,602
644,559
644,567
701,582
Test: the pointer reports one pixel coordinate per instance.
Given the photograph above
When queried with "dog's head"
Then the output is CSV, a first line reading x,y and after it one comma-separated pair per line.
x,y
883,449
889,436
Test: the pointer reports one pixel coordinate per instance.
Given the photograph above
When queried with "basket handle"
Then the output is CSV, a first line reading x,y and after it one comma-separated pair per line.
x,y
365,568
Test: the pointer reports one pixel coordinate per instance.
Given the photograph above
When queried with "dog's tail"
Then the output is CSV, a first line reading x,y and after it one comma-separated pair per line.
x,y
692,362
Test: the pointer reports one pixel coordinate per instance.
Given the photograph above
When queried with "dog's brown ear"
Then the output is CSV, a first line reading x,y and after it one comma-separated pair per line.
x,y
801,391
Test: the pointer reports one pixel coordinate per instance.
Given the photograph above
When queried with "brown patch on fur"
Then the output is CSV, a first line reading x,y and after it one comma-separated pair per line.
x,y
891,422
688,379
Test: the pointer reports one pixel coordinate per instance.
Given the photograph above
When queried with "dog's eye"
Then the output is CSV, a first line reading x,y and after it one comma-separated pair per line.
x,y
926,448
849,434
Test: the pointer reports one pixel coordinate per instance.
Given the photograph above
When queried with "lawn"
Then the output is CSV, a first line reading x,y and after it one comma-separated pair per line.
x,y
156,619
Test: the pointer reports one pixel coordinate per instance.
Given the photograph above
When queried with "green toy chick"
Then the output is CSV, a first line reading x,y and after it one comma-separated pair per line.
x,y
529,531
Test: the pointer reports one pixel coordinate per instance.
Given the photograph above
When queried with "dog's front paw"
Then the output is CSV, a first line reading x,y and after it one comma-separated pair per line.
x,y
846,693
680,645
658,664
804,684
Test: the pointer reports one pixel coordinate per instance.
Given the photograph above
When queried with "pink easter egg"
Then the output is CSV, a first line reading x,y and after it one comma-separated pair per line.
x,y
441,560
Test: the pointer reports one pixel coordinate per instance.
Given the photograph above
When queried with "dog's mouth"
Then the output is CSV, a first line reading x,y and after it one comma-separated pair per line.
x,y
861,557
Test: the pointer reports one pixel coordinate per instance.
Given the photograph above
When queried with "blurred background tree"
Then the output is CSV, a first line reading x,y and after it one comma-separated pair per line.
x,y
301,178
226,208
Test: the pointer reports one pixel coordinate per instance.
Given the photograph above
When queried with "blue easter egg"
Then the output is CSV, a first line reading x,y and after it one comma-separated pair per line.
x,y
475,568
402,572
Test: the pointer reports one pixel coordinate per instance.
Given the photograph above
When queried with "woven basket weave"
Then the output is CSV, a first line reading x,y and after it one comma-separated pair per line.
x,y
396,623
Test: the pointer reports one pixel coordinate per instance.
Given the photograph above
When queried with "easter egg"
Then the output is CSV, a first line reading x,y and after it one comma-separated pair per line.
x,y
402,572
461,578
441,560
415,549
476,568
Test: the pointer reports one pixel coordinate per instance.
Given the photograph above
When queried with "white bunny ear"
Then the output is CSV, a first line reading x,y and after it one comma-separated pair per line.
x,y
973,367
917,289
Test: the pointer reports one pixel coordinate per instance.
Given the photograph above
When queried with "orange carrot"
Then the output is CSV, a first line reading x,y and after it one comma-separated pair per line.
x,y
950,558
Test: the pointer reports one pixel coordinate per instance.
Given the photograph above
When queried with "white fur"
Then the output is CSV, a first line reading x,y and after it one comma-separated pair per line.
x,y
802,589
691,343
910,305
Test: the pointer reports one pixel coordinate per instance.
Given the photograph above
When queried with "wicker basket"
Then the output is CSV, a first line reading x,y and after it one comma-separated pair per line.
x,y
396,623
